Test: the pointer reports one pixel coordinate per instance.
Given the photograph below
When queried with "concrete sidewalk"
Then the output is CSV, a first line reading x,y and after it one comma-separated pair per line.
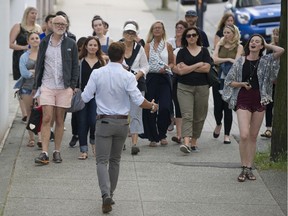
x,y
158,181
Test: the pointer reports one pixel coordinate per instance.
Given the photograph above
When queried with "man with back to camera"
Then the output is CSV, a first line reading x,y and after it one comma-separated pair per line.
x,y
113,87
57,74
191,18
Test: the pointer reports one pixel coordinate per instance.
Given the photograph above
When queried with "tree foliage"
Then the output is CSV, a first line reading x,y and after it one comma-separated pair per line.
x,y
279,137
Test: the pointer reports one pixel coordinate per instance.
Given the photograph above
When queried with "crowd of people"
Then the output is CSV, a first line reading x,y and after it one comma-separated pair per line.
x,y
116,77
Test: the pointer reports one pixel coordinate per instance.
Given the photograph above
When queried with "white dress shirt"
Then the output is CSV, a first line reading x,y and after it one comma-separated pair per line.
x,y
113,86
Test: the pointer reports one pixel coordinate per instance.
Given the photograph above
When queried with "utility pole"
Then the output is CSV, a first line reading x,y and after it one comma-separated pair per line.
x,y
201,6
164,4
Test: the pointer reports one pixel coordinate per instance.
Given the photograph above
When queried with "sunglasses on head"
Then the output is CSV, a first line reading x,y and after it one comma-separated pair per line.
x,y
191,35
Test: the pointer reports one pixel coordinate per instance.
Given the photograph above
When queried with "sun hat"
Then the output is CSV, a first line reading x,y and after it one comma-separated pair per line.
x,y
130,27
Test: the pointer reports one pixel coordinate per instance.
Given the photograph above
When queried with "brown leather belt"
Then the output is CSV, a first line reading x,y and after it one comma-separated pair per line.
x,y
112,116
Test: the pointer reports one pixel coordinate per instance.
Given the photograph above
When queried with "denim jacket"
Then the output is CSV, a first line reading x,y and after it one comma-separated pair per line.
x,y
267,72
26,75
70,64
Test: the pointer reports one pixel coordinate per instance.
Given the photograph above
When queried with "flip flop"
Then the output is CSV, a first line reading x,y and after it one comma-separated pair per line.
x,y
176,139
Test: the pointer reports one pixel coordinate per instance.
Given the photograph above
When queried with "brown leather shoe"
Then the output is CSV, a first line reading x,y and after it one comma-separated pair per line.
x,y
106,206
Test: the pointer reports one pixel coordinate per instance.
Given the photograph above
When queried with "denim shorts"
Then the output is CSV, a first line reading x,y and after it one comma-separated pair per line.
x,y
25,91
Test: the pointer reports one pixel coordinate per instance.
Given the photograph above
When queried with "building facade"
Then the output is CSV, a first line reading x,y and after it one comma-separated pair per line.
x,y
11,12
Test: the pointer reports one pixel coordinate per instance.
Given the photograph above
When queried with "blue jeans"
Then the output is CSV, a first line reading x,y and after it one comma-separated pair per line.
x,y
86,119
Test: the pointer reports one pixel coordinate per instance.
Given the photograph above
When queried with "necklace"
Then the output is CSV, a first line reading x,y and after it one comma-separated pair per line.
x,y
253,68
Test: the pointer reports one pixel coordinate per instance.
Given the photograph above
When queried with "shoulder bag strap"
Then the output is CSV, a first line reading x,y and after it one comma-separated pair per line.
x,y
134,54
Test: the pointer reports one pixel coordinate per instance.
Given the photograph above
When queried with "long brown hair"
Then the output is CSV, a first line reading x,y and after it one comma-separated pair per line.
x,y
99,52
223,20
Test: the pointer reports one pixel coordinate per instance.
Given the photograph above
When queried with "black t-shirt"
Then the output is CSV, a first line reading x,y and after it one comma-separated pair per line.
x,y
204,38
86,71
193,78
249,73
219,33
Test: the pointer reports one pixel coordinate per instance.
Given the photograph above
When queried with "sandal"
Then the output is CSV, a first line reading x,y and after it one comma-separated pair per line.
x,y
39,144
242,176
267,134
93,148
153,144
163,142
83,156
176,139
31,143
249,174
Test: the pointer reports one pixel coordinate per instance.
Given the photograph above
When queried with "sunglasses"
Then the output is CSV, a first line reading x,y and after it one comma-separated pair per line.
x,y
191,35
129,32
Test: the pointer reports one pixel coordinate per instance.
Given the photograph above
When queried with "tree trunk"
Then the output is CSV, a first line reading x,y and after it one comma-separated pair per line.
x,y
164,4
279,137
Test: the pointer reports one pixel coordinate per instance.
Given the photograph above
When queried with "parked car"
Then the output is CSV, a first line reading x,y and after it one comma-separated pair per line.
x,y
188,2
255,16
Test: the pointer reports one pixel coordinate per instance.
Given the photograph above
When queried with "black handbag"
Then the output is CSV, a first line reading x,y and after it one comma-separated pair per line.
x,y
35,120
212,76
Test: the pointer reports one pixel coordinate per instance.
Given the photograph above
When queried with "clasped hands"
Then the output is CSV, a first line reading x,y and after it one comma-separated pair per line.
x,y
154,107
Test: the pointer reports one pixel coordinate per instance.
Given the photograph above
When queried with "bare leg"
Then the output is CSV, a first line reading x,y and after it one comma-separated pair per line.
x,y
22,107
134,139
187,141
178,122
45,129
244,119
193,142
256,121
27,101
59,127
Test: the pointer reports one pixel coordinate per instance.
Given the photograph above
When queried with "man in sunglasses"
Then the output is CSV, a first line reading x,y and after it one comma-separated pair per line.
x,y
191,18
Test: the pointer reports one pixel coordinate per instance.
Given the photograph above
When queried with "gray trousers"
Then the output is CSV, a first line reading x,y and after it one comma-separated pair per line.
x,y
110,138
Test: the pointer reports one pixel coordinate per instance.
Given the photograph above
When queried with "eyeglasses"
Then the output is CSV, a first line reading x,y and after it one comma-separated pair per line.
x,y
60,24
157,28
191,35
179,28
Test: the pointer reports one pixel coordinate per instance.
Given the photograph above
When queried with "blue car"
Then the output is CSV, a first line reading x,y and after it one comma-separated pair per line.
x,y
189,2
255,16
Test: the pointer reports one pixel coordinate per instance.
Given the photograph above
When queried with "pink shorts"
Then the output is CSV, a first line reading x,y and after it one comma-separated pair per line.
x,y
56,97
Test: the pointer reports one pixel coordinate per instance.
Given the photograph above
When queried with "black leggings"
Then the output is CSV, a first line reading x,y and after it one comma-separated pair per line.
x,y
174,97
219,106
269,111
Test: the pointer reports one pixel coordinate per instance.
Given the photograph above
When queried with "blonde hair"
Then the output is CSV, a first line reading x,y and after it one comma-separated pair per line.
x,y
36,28
150,35
235,40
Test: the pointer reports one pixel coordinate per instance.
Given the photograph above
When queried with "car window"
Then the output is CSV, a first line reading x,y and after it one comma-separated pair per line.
x,y
251,3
